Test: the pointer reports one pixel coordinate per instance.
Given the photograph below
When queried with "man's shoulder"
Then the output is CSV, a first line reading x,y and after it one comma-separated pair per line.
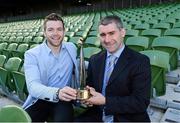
x,y
35,50
69,45
136,55
98,55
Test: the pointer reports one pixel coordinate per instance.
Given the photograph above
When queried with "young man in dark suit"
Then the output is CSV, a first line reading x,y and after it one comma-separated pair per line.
x,y
120,88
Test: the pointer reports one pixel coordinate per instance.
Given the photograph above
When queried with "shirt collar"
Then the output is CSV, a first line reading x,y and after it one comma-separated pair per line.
x,y
117,53
48,50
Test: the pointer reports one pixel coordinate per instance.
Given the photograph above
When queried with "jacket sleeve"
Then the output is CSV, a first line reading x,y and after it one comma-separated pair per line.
x,y
35,87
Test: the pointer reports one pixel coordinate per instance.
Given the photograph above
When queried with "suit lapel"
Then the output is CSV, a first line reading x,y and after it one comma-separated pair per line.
x,y
101,67
120,65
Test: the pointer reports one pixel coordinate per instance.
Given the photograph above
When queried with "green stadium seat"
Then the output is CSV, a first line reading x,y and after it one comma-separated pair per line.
x,y
92,41
159,61
138,43
170,45
151,34
176,25
2,60
6,80
172,32
20,83
131,33
89,51
13,113
93,33
162,26
11,47
20,51
141,27
75,39
3,46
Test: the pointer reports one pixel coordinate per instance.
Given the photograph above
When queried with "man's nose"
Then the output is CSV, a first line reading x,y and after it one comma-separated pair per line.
x,y
107,39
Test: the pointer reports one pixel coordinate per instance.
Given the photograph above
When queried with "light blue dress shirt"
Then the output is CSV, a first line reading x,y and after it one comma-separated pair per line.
x,y
109,118
45,72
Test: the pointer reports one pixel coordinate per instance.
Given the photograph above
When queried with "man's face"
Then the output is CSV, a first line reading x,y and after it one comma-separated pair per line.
x,y
111,37
54,33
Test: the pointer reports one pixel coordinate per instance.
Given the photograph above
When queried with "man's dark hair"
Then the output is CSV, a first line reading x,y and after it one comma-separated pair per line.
x,y
53,17
111,19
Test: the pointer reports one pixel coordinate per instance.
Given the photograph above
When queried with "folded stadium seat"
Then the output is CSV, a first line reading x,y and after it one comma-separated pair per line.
x,y
133,23
2,60
36,40
93,33
127,26
69,34
19,52
160,17
75,39
82,34
11,39
6,80
145,18
159,61
6,39
34,34
13,113
92,42
170,45
19,39
20,84
33,45
89,51
39,34
94,26
163,26
138,43
131,33
66,39
19,34
151,34
25,34
176,25
175,15
7,51
141,27
175,32
171,21
3,46
27,39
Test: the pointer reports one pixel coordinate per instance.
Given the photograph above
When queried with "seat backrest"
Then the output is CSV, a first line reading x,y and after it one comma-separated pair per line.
x,y
22,47
13,64
12,46
159,61
89,51
93,41
167,41
38,39
2,60
3,45
140,41
13,113
172,32
158,58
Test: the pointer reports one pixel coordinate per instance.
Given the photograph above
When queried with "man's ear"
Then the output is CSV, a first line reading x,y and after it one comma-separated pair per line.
x,y
123,32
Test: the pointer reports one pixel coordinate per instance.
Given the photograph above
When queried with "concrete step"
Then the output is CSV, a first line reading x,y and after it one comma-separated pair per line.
x,y
171,115
170,100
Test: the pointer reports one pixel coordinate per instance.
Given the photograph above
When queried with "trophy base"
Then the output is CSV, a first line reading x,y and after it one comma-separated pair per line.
x,y
83,94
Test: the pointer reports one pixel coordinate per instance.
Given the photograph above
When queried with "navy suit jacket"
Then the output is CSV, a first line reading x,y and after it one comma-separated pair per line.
x,y
128,90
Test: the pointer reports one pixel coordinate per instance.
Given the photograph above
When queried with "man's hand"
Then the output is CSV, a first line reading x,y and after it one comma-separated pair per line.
x,y
95,99
67,94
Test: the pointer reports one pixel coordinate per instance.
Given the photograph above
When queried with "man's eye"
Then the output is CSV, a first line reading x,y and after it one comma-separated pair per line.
x,y
102,35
